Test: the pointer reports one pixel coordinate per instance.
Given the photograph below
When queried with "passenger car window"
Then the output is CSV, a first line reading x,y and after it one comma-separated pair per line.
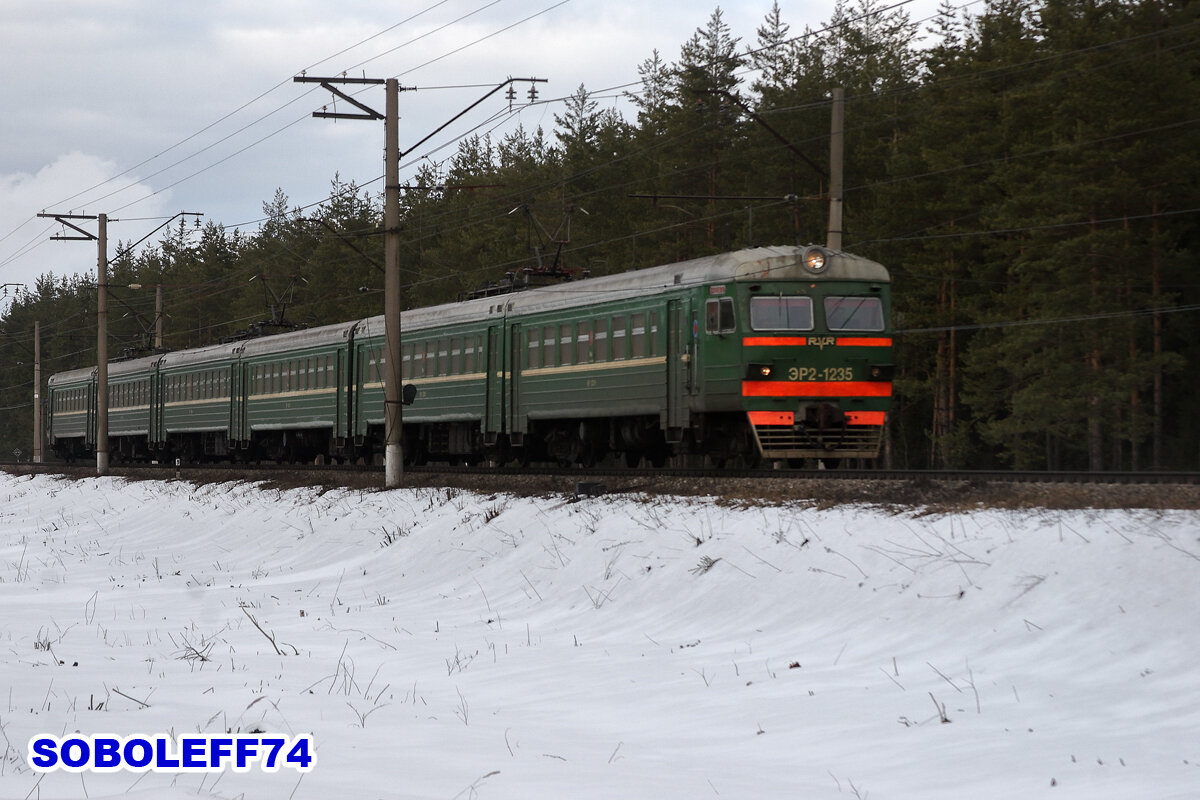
x,y
619,339
601,339
534,352
583,342
549,346
566,342
637,335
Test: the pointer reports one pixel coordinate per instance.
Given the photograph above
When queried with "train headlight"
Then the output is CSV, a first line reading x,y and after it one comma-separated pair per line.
x,y
815,260
759,372
882,372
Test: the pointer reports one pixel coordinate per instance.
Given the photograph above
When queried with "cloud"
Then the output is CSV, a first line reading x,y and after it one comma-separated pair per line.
x,y
77,183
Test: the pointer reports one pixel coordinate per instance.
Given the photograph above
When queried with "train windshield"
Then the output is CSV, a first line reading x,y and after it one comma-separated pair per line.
x,y
854,313
781,313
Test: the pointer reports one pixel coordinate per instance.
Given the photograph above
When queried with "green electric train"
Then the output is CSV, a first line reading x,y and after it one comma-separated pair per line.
x,y
770,353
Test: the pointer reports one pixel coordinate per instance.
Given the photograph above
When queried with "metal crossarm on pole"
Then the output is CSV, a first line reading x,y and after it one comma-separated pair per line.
x,y
101,239
393,377
393,416
368,113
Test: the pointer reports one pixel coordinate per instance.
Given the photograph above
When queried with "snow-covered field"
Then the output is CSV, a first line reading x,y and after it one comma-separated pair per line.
x,y
439,644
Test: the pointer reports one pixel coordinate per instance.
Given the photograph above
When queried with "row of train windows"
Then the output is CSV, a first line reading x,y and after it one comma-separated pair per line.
x,y
293,375
120,395
129,395
597,340
72,399
198,385
452,355
204,385
795,313
592,341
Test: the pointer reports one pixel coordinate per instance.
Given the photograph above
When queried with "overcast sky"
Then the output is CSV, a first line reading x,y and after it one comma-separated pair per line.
x,y
140,109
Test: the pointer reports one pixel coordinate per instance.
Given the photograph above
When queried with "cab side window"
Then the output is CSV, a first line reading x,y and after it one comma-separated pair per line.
x,y
718,315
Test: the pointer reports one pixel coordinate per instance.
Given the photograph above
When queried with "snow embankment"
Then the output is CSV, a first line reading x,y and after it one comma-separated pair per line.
x,y
442,644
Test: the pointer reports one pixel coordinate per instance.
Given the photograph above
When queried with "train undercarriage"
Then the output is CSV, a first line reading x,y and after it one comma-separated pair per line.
x,y
733,439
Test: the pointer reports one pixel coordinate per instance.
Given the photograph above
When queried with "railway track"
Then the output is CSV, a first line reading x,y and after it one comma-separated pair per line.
x,y
425,473
923,491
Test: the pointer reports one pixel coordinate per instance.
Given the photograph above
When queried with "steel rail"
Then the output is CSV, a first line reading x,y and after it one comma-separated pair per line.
x,y
253,471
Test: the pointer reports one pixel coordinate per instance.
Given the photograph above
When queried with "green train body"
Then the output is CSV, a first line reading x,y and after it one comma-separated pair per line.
x,y
777,353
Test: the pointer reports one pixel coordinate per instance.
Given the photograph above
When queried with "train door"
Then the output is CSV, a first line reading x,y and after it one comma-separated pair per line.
x,y
678,318
231,401
344,395
89,436
352,405
691,347
155,437
494,383
513,417
344,414
236,401
348,413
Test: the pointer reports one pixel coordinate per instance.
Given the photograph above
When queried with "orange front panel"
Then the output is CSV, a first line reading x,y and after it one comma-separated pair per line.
x,y
816,389
800,341
775,341
772,418
866,417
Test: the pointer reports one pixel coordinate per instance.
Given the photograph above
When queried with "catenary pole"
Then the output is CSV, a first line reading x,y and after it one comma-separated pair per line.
x,y
101,239
158,317
837,135
393,408
393,382
102,347
37,392
393,428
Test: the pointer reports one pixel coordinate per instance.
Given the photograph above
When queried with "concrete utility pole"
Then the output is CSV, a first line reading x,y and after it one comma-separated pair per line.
x,y
37,392
158,317
158,313
393,407
393,419
102,347
393,388
101,239
837,134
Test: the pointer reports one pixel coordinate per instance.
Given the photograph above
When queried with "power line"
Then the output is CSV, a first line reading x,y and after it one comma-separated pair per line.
x,y
240,108
37,241
1033,228
1018,323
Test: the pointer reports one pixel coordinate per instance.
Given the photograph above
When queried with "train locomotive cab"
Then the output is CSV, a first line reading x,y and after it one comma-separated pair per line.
x,y
816,354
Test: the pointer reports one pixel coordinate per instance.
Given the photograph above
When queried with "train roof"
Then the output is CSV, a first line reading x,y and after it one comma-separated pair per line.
x,y
299,340
144,364
784,262
212,352
81,375
753,264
